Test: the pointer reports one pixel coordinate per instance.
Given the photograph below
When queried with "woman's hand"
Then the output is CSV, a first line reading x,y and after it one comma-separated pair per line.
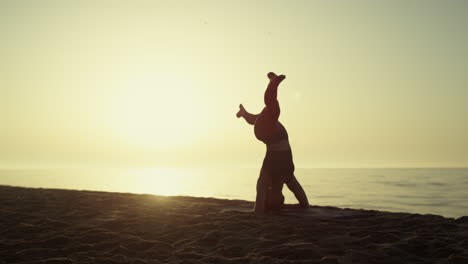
x,y
241,111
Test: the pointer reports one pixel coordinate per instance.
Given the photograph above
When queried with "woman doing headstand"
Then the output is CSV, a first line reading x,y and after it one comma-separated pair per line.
x,y
278,166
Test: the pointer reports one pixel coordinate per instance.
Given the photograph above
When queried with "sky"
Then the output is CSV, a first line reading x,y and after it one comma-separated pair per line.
x,y
158,83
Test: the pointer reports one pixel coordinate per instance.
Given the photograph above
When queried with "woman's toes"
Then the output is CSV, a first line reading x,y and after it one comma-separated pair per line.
x,y
272,75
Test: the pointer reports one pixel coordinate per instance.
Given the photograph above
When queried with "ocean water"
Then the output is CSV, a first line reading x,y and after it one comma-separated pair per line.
x,y
425,191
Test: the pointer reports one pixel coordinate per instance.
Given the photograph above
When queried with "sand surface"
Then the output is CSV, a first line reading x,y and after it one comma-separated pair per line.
x,y
64,226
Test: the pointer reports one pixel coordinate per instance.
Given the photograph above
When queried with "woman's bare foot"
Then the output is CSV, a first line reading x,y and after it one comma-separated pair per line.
x,y
276,79
272,75
241,111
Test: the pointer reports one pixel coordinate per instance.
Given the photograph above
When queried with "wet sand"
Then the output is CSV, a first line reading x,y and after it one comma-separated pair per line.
x,y
65,226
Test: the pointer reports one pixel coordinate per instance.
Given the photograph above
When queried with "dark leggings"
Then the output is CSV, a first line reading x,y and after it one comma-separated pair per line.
x,y
278,167
266,121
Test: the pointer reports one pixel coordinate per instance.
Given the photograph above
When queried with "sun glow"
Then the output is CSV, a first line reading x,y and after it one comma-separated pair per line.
x,y
157,111
162,181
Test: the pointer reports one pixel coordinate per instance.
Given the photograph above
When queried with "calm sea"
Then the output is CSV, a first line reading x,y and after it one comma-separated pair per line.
x,y
426,191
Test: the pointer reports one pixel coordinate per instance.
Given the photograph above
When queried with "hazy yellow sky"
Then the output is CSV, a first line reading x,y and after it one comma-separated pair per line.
x,y
158,83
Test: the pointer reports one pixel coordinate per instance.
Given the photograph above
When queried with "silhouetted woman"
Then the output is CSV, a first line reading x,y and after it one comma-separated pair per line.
x,y
278,166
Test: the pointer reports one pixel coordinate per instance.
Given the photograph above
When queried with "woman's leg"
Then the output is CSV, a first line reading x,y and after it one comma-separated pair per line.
x,y
267,120
296,188
271,93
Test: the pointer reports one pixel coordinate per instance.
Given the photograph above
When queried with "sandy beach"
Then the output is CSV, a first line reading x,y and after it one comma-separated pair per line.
x,y
66,226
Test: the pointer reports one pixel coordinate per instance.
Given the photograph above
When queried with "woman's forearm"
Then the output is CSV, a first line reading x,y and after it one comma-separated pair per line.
x,y
262,189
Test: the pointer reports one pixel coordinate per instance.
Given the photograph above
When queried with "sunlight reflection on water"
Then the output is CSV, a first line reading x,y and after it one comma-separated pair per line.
x,y
435,191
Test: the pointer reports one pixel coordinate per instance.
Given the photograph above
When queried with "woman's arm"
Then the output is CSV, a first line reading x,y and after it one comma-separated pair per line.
x,y
250,118
263,183
298,191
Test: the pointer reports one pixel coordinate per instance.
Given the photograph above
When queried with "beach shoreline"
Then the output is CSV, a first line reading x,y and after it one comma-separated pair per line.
x,y
68,226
